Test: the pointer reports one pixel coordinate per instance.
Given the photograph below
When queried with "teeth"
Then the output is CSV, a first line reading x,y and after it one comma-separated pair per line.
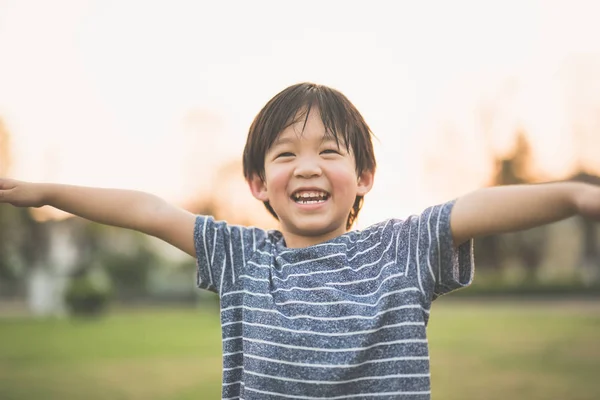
x,y
310,197
312,201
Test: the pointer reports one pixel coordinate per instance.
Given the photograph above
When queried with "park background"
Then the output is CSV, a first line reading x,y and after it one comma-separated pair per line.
x,y
158,96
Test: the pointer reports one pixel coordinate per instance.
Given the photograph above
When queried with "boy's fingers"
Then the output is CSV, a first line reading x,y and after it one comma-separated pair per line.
x,y
3,183
6,184
4,196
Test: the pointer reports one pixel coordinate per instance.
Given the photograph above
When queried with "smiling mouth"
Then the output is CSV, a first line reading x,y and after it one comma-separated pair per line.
x,y
310,197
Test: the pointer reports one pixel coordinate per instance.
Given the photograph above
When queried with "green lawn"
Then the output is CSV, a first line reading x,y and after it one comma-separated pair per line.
x,y
489,351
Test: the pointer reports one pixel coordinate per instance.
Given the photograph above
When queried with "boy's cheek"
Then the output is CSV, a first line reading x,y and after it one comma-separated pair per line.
x,y
343,177
277,180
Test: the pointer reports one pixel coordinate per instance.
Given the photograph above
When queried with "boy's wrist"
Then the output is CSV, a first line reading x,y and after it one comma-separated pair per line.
x,y
585,198
578,195
569,196
45,193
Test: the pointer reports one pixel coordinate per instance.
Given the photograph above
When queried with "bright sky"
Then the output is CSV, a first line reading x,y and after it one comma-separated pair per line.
x,y
156,95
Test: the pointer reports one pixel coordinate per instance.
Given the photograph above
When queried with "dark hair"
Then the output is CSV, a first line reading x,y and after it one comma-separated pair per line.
x,y
339,116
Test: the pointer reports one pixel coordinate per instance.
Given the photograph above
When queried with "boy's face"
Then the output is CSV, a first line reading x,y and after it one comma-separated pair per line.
x,y
310,183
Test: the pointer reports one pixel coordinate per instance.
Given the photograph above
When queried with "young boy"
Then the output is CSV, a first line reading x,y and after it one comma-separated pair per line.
x,y
314,310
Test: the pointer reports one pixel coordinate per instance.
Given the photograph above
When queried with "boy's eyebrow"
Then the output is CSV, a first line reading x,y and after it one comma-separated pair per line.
x,y
329,139
284,140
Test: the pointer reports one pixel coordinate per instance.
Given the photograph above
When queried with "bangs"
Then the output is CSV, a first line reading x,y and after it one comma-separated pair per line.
x,y
335,123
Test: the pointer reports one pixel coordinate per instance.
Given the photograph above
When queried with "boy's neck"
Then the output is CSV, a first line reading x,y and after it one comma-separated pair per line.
x,y
297,241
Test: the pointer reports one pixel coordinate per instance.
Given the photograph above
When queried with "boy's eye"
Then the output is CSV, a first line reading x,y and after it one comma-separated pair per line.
x,y
330,151
285,154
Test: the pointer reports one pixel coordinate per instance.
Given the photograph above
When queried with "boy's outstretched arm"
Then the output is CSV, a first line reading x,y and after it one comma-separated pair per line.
x,y
511,208
122,208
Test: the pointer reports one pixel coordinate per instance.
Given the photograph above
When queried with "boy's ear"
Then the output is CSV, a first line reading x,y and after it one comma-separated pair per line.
x,y
365,182
258,188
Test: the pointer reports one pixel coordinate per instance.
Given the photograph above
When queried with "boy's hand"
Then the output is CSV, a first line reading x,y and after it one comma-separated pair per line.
x,y
20,194
587,201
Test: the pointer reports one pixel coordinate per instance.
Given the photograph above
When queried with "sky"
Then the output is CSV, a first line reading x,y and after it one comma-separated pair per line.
x,y
157,95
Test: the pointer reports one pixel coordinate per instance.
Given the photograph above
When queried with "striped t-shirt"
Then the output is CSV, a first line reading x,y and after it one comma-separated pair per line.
x,y
343,319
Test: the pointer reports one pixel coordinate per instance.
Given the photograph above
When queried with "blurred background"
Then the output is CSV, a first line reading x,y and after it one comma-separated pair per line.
x,y
158,96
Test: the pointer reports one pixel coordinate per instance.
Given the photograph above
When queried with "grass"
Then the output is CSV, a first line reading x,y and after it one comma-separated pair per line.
x,y
499,350
159,354
516,350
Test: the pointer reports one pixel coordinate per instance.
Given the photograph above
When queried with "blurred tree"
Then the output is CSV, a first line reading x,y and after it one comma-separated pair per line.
x,y
590,253
24,243
4,149
7,269
24,246
28,247
494,119
581,77
130,271
125,256
527,246
514,168
16,252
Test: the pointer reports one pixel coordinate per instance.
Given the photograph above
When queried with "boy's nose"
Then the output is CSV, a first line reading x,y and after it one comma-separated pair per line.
x,y
307,168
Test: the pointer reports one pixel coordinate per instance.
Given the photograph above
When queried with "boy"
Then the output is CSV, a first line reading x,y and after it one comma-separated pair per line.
x,y
314,310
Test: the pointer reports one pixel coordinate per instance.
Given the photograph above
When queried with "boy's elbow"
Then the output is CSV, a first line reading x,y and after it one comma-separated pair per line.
x,y
173,225
147,216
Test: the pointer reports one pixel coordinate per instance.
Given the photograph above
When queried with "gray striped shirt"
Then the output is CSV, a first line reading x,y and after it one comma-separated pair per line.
x,y
343,319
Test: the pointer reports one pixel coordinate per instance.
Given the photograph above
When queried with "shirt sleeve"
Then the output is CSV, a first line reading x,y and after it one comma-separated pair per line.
x,y
438,265
222,251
